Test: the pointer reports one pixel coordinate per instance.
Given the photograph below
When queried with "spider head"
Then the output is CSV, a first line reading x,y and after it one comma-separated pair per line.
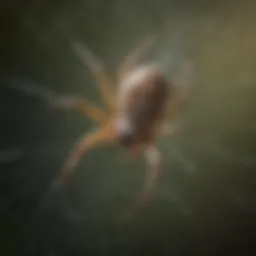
x,y
125,131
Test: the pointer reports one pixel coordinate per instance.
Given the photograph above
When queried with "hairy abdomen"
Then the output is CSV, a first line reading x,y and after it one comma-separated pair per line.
x,y
142,97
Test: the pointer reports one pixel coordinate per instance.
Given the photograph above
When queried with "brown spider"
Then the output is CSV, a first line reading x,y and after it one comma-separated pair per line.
x,y
137,111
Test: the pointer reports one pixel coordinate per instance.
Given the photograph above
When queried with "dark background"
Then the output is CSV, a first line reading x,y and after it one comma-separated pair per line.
x,y
205,203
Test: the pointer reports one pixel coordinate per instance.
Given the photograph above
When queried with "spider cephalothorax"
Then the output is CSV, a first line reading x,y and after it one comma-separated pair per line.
x,y
136,112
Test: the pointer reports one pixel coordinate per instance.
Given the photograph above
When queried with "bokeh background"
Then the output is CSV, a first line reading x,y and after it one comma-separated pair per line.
x,y
205,202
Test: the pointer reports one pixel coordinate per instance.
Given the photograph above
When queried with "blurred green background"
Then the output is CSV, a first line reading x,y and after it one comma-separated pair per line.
x,y
205,202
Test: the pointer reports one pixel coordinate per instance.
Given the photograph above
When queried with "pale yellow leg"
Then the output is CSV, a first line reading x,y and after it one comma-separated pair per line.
x,y
133,58
154,160
98,70
180,93
170,128
171,125
83,106
84,144
92,111
175,106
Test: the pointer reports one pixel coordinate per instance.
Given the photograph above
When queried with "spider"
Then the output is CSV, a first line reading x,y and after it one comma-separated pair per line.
x,y
139,109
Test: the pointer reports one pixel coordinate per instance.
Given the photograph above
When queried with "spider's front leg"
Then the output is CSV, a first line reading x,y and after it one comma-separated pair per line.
x,y
154,160
134,57
83,106
99,71
88,142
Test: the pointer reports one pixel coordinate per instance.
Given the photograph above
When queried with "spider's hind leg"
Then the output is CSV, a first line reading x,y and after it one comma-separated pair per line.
x,y
154,160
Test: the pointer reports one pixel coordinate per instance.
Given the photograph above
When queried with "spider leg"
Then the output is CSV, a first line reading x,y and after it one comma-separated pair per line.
x,y
169,128
175,106
98,70
154,159
88,142
180,92
131,60
83,106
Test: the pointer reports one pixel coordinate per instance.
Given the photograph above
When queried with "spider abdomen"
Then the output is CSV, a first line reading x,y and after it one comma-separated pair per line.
x,y
141,101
